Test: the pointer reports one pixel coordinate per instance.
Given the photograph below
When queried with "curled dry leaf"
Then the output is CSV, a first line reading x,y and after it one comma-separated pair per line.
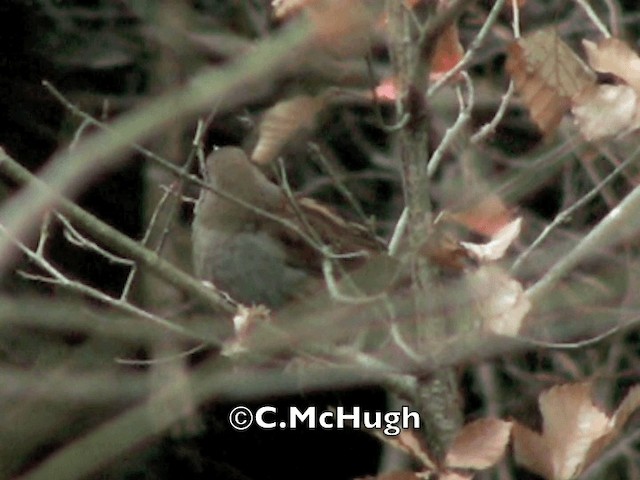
x,y
443,247
480,444
612,55
574,431
618,104
547,74
282,122
500,300
498,245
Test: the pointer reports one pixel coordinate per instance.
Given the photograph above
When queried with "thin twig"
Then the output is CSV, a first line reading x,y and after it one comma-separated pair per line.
x,y
589,342
88,120
619,223
117,241
79,131
594,17
336,292
452,132
68,172
515,24
398,233
286,188
61,279
566,214
44,234
145,239
471,50
167,359
399,125
488,128
339,184
77,239
614,17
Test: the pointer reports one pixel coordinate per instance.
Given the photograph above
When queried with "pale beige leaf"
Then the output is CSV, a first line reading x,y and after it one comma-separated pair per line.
x,y
500,242
547,74
282,122
612,55
500,300
571,423
479,445
606,111
531,451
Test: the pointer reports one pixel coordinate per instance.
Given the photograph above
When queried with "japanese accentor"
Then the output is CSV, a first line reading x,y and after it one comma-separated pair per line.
x,y
255,259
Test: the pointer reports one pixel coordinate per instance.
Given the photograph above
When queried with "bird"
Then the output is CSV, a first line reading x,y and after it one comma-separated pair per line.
x,y
260,246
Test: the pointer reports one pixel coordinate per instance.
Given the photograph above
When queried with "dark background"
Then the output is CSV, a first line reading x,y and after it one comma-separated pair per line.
x,y
92,50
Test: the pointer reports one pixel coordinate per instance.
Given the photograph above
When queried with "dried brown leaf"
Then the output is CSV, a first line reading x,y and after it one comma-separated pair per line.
x,y
448,52
571,422
571,425
486,215
547,74
443,248
479,445
282,122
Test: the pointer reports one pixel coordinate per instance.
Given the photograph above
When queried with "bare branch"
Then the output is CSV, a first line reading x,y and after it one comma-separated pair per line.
x,y
116,240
